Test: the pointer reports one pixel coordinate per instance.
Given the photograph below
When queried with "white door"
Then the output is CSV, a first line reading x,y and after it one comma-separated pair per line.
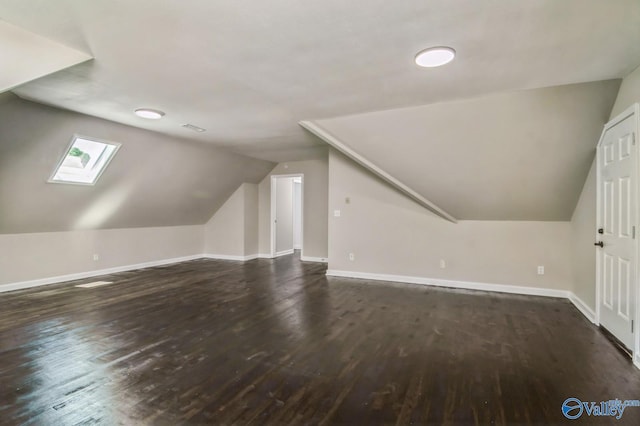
x,y
617,192
297,213
283,215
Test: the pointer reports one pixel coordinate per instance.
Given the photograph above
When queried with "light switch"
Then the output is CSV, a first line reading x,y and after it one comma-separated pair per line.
x,y
336,213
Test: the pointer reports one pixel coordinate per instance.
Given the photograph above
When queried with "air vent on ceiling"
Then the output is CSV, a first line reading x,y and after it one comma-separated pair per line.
x,y
94,284
194,128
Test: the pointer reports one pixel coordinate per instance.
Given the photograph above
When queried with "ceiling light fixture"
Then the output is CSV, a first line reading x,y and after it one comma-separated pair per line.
x,y
435,56
152,114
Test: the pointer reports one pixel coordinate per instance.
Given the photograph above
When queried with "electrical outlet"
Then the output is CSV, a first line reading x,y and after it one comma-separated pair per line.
x,y
336,213
540,270
352,257
96,256
443,264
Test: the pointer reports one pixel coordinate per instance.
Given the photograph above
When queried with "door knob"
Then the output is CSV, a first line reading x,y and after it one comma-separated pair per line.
x,y
600,231
599,243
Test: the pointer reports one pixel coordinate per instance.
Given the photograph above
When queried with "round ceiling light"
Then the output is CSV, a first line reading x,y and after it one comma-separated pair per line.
x,y
152,114
435,56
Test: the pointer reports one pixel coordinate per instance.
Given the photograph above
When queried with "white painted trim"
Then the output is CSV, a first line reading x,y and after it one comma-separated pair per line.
x,y
283,253
231,257
21,285
272,217
299,201
95,273
598,222
636,349
332,140
467,285
313,259
583,307
632,109
301,248
272,228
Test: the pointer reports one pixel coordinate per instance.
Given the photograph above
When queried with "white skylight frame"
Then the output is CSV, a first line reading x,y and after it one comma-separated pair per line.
x,y
90,172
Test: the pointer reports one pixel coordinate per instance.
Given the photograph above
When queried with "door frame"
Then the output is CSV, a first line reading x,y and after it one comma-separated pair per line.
x,y
633,110
272,218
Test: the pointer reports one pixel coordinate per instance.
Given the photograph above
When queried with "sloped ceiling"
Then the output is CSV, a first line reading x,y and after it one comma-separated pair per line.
x,y
27,56
516,156
248,70
154,180
505,132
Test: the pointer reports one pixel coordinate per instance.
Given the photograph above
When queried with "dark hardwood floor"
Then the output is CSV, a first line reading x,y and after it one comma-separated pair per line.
x,y
277,342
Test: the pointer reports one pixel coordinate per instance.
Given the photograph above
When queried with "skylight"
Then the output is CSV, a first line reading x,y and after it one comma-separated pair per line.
x,y
84,161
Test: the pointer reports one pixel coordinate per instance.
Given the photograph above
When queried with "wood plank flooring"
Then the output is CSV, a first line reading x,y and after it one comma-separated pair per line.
x,y
277,342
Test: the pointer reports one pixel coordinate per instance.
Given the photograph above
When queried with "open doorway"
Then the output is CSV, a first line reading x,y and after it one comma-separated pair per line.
x,y
287,193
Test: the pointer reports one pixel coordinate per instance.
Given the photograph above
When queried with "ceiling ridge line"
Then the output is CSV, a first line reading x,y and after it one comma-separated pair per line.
x,y
332,140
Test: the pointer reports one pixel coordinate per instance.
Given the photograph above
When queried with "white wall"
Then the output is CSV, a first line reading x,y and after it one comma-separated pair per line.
x,y
628,94
314,210
225,231
251,229
583,234
391,234
25,257
233,229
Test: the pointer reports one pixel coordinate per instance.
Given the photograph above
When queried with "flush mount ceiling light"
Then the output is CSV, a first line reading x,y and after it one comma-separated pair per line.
x,y
152,114
435,56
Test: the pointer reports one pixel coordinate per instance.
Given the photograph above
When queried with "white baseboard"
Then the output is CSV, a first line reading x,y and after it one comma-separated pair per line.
x,y
583,307
20,285
467,285
297,247
89,274
231,257
284,253
313,259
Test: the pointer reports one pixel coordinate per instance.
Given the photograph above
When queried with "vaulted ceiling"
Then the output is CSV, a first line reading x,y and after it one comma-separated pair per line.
x,y
248,71
153,180
515,156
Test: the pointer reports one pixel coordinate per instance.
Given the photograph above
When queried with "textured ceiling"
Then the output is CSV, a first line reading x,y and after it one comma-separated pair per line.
x,y
515,156
248,70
